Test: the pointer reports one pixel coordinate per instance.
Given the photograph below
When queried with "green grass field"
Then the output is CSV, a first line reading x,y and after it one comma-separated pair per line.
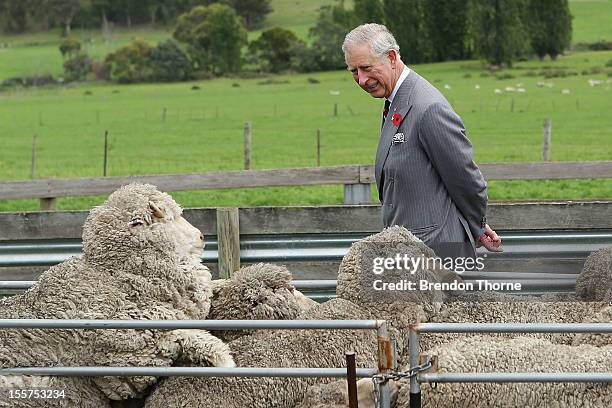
x,y
592,20
203,128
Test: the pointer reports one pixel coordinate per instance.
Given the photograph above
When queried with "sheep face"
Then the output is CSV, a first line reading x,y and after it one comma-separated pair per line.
x,y
138,218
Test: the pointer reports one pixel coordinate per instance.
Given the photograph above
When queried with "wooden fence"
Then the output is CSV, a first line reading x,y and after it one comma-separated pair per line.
x,y
356,179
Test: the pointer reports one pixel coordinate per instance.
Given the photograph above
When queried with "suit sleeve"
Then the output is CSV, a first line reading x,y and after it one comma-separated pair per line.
x,y
443,138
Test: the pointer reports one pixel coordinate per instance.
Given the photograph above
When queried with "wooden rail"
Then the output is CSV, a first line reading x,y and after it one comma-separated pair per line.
x,y
356,179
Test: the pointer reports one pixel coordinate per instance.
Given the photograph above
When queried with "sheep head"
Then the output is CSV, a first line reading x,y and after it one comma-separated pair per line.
x,y
138,228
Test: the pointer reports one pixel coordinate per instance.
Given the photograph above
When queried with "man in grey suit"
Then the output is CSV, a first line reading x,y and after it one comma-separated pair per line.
x,y
426,177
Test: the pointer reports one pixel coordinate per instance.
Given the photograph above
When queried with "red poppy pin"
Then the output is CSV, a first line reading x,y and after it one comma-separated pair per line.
x,y
397,119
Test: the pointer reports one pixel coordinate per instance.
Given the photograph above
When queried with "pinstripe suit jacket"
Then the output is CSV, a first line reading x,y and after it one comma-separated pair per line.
x,y
429,183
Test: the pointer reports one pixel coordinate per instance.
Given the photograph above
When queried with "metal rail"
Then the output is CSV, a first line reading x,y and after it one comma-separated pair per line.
x,y
315,248
191,324
414,349
187,371
387,358
516,377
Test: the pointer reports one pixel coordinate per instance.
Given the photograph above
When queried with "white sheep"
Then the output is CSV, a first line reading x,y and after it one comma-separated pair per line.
x,y
595,279
335,395
484,354
256,292
141,260
277,348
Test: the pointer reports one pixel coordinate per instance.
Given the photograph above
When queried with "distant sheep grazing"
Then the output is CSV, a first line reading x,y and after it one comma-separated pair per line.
x,y
141,260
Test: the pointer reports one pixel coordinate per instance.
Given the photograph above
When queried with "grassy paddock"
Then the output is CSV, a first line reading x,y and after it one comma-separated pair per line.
x,y
203,128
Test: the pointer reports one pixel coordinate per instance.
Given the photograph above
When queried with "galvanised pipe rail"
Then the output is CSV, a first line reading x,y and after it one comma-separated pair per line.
x,y
414,349
515,377
187,371
385,359
328,284
191,324
513,328
313,248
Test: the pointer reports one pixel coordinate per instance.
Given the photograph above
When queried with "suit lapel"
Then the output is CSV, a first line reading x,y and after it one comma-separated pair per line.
x,y
401,105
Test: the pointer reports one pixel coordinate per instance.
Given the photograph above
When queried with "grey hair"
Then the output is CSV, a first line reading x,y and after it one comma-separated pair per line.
x,y
377,36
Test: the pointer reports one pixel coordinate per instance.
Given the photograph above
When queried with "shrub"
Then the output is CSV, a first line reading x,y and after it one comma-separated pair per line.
x,y
100,70
69,47
36,80
609,63
313,80
131,63
275,49
169,63
77,67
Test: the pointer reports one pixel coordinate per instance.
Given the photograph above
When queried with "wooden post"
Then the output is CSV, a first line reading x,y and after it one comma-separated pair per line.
x,y
105,152
546,142
247,145
351,379
512,105
164,114
335,109
48,204
33,172
318,147
228,241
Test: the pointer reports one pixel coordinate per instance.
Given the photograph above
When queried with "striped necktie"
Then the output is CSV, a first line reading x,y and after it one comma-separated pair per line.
x,y
386,111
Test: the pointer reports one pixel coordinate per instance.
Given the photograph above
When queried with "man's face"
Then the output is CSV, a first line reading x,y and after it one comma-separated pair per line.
x,y
376,77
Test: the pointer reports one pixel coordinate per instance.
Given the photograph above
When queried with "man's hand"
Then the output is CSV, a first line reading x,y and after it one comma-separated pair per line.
x,y
490,240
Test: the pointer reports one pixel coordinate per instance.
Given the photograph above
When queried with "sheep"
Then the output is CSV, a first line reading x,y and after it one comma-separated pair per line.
x,y
521,354
596,339
259,291
595,279
278,348
141,260
335,395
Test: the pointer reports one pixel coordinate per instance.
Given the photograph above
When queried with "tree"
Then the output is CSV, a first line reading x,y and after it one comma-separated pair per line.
x,y
214,35
368,11
499,33
550,26
65,11
326,50
274,49
446,26
406,19
14,15
253,11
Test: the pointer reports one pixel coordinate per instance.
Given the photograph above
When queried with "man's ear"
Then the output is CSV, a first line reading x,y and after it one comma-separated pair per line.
x,y
392,55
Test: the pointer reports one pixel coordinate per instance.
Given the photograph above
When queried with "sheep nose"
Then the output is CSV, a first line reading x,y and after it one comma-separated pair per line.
x,y
201,237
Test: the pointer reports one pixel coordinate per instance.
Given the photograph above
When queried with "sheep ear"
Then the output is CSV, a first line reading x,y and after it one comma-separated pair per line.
x,y
135,222
155,210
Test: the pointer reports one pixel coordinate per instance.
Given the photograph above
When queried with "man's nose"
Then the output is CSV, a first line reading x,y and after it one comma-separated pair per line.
x,y
362,78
